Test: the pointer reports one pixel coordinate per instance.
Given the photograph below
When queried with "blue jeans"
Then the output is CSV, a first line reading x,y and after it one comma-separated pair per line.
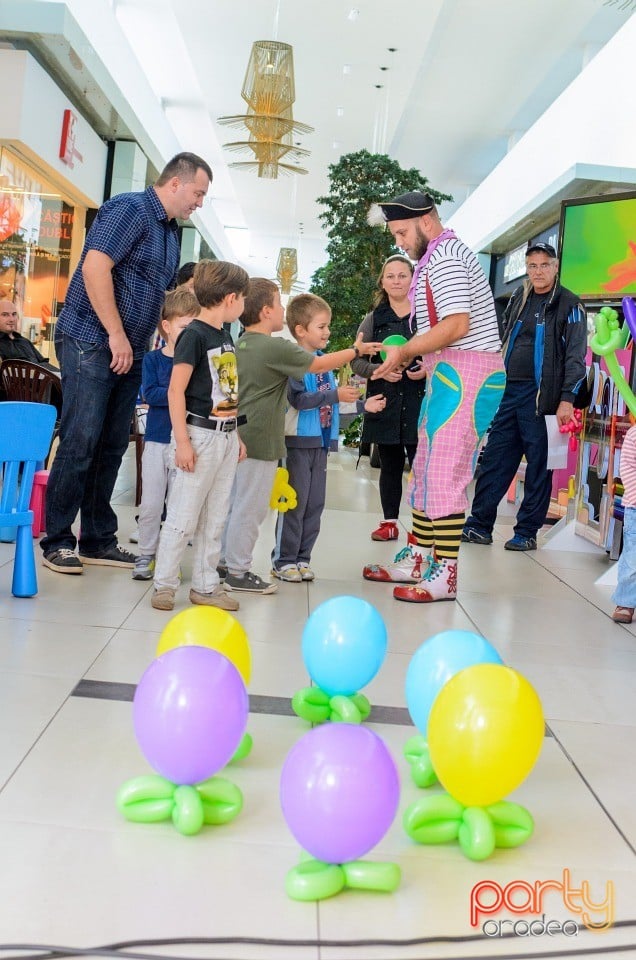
x,y
97,408
516,431
625,593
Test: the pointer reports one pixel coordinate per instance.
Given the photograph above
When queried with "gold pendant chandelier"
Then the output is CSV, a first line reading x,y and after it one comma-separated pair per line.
x,y
269,91
287,268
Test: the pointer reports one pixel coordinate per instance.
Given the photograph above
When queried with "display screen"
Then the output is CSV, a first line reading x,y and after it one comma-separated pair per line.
x,y
598,247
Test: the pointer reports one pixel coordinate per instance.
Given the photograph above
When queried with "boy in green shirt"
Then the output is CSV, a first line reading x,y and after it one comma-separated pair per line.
x,y
264,365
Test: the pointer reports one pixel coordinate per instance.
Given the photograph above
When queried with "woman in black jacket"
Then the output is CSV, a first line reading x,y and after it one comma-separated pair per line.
x,y
394,429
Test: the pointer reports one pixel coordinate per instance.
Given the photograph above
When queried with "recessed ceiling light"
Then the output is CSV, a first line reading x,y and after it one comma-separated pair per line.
x,y
340,111
353,14
336,145
346,69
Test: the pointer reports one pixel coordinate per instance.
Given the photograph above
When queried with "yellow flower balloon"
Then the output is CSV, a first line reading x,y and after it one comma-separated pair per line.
x,y
213,628
485,732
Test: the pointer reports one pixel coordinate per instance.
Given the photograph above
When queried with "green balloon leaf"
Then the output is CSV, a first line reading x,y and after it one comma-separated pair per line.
x,y
313,880
153,799
476,834
344,710
418,757
311,704
479,830
513,824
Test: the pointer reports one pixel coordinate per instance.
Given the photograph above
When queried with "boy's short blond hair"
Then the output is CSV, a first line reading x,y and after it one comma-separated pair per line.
x,y
260,294
215,279
302,309
180,303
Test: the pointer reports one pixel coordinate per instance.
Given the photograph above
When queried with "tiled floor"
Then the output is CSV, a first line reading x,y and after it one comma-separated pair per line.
x,y
74,873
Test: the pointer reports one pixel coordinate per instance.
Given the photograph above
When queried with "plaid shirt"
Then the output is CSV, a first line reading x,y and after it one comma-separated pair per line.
x,y
134,231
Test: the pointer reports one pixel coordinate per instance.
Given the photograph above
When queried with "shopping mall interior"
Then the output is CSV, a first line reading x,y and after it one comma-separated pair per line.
x,y
521,115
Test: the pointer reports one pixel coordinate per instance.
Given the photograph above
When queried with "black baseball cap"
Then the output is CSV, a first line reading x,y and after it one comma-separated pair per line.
x,y
541,247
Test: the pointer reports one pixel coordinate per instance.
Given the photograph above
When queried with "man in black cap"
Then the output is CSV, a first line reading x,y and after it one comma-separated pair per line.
x,y
545,339
457,336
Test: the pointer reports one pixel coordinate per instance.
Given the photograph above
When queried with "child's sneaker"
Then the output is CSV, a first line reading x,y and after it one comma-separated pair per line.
x,y
163,599
406,567
306,573
438,583
217,598
248,583
288,572
144,568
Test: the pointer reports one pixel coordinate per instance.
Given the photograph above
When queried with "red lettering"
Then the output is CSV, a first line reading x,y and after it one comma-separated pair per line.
x,y
476,905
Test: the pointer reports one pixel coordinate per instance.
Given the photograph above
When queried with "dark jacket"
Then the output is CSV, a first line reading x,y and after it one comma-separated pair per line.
x,y
397,423
559,347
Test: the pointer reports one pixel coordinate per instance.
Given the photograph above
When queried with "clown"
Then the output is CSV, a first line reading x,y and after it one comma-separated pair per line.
x,y
457,336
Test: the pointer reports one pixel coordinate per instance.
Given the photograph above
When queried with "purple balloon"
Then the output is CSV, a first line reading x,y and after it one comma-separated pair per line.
x,y
339,790
629,312
190,712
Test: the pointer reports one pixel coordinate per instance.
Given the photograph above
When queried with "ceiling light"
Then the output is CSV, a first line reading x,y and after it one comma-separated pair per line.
x,y
353,14
346,69
340,111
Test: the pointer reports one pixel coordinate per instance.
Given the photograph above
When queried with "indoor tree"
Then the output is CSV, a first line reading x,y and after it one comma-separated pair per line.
x,y
355,250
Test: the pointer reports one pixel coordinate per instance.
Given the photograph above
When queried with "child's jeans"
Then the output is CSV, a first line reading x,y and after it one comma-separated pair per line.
x,y
156,478
625,593
197,509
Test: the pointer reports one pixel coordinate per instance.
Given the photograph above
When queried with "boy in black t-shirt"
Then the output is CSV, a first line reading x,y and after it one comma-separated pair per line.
x,y
206,447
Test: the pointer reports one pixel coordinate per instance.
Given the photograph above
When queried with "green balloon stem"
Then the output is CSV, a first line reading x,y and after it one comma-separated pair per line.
x,y
244,748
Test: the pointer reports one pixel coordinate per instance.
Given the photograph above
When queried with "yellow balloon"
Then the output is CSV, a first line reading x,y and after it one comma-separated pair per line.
x,y
485,733
213,628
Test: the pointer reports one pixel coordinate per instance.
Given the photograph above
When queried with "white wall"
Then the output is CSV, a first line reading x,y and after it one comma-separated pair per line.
x,y
591,123
32,119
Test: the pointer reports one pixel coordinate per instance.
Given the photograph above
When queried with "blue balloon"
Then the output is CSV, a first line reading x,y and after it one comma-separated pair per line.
x,y
344,644
436,661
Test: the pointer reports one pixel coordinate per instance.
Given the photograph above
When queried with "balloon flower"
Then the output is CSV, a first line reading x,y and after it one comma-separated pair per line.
x,y
485,733
432,665
190,711
610,337
218,630
283,496
339,792
344,644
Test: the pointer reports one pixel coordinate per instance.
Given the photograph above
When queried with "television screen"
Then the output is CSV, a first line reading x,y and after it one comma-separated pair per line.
x,y
598,247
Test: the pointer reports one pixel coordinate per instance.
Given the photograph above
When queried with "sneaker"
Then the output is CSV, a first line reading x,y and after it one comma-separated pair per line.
x,y
438,583
248,583
63,561
406,567
217,598
114,556
306,573
222,572
163,598
623,615
144,568
388,530
521,543
469,535
288,572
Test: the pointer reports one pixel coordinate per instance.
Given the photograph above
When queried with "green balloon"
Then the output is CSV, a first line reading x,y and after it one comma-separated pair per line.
x,y
313,880
344,710
476,834
187,814
395,340
362,875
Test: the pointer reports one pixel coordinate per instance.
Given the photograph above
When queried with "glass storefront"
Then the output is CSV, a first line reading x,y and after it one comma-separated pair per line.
x,y
41,231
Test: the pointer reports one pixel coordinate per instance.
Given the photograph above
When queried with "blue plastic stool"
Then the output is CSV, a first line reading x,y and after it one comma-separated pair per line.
x,y
26,430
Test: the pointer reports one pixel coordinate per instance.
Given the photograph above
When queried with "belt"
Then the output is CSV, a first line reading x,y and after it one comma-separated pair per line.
x,y
225,426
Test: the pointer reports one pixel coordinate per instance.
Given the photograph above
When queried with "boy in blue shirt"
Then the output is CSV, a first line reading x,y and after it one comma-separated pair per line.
x,y
180,307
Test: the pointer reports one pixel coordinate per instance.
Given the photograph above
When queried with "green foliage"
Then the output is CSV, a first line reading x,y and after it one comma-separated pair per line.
x,y
352,434
357,251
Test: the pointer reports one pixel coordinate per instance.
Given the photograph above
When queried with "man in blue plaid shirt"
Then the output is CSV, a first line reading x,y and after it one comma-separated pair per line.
x,y
113,304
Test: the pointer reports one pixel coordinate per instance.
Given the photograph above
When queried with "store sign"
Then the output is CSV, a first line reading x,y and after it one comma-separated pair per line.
x,y
68,151
515,263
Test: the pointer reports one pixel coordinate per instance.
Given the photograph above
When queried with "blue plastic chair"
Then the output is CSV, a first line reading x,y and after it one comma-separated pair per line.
x,y
26,430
